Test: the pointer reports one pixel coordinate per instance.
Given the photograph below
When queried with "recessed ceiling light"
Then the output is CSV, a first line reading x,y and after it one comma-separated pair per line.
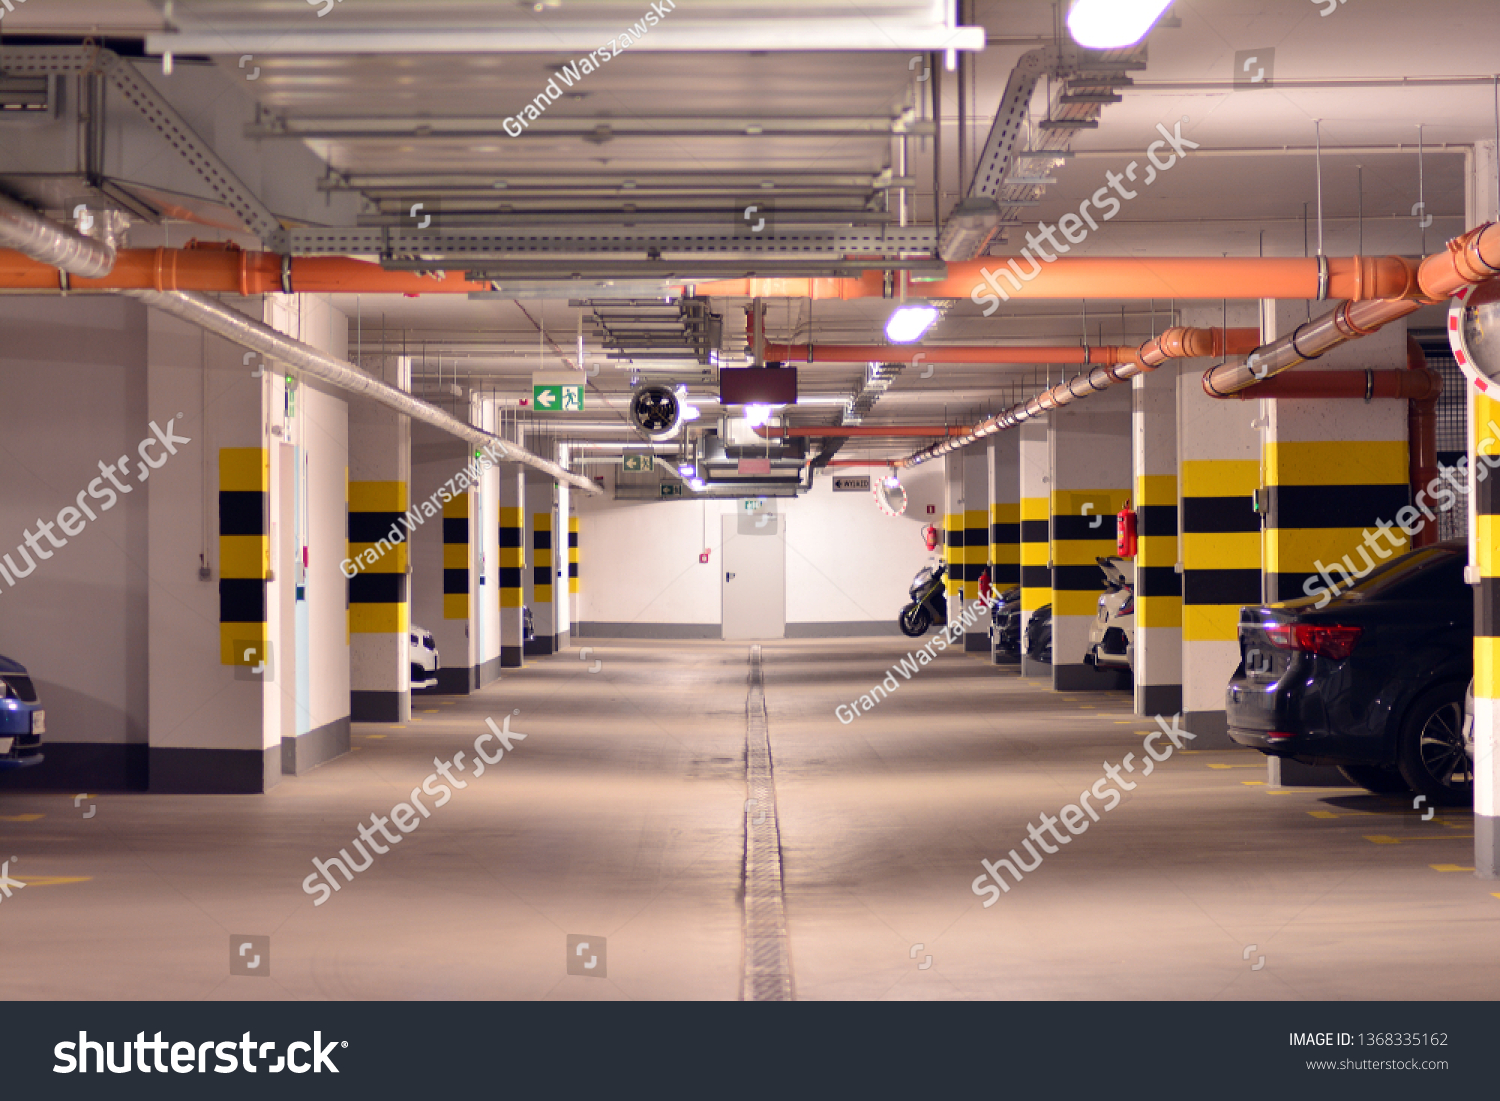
x,y
1113,24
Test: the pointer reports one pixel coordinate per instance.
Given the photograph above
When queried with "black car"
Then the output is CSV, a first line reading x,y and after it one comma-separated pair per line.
x,y
1039,635
1372,681
1005,623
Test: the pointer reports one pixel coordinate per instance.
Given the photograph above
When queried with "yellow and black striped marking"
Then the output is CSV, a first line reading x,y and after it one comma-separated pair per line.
x,y
377,593
456,557
1036,553
1220,547
1005,546
244,553
572,554
1083,531
541,545
1324,494
1158,585
512,557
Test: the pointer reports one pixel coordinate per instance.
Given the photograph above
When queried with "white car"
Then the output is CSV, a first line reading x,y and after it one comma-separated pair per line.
x,y
1112,634
424,658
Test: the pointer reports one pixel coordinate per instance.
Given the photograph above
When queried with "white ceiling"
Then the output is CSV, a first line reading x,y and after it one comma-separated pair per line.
x,y
1371,71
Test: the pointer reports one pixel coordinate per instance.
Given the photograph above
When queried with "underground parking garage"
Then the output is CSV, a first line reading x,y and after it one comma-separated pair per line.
x,y
925,501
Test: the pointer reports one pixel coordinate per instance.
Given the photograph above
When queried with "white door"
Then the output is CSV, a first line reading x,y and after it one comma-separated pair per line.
x,y
754,575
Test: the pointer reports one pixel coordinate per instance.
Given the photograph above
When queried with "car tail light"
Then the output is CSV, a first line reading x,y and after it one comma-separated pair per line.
x,y
1129,606
1277,735
1332,641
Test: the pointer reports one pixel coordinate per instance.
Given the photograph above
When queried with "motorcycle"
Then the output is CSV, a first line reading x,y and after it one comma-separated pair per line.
x,y
929,602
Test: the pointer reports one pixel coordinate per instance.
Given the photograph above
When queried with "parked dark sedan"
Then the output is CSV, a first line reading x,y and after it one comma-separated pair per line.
x,y
1373,681
1039,635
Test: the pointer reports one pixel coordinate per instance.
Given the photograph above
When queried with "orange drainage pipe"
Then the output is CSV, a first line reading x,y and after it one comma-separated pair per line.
x,y
221,270
997,279
217,269
1469,259
1204,342
771,432
1174,343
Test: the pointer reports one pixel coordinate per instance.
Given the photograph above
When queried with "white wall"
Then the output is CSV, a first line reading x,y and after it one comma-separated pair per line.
x,y
847,562
73,385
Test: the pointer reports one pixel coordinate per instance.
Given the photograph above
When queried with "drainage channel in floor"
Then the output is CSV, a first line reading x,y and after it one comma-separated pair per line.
x,y
768,967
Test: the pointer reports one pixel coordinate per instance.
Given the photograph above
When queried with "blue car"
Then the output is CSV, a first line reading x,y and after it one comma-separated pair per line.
x,y
22,720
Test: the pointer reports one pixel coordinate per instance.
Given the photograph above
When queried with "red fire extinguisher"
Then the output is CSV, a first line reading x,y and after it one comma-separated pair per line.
x,y
1125,540
930,537
984,586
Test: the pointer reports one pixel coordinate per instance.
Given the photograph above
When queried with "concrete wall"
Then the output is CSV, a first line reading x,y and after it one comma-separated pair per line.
x,y
121,626
73,383
848,565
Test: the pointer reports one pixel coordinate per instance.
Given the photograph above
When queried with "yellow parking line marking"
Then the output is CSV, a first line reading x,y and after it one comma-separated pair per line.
x,y
1322,814
51,880
1234,766
1279,791
1449,868
1495,894
374,735
1253,783
20,817
429,710
1381,839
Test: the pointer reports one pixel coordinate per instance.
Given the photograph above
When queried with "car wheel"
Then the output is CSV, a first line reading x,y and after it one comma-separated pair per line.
x,y
1382,781
915,620
1431,756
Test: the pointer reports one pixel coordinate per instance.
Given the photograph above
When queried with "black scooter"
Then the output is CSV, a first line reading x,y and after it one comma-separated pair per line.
x,y
929,602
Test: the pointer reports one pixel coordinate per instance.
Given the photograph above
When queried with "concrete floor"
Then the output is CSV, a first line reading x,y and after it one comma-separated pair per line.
x,y
621,816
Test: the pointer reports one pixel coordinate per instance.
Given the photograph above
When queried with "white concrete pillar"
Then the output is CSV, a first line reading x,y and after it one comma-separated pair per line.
x,y
513,557
1003,466
1218,473
379,593
541,579
1036,547
1090,450
1158,582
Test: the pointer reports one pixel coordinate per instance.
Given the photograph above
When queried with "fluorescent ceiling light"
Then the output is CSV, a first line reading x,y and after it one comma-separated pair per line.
x,y
908,323
690,412
696,485
1113,24
688,470
757,415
